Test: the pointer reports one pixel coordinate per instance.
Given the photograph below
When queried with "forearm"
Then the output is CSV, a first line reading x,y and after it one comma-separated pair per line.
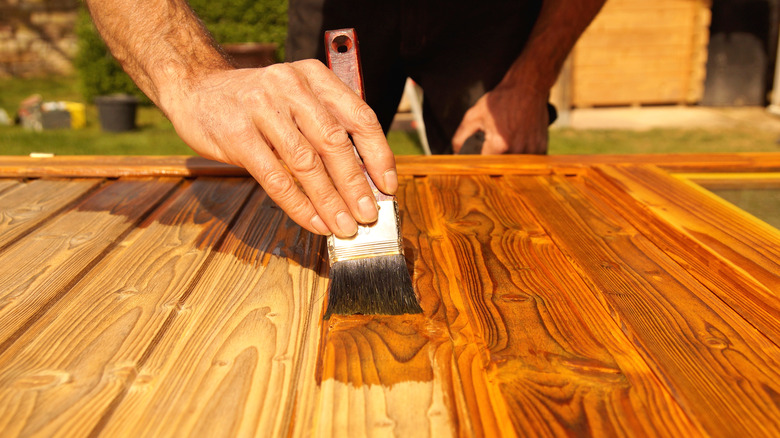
x,y
559,26
161,44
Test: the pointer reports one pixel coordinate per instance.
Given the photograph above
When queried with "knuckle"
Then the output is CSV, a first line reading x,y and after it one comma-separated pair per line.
x,y
283,74
278,184
253,98
311,63
304,160
333,135
239,131
366,117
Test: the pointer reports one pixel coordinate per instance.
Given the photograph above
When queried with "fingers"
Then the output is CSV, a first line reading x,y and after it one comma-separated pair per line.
x,y
471,123
357,118
317,150
280,186
307,165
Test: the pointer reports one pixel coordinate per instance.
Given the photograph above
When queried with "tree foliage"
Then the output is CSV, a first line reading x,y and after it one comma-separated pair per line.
x,y
230,21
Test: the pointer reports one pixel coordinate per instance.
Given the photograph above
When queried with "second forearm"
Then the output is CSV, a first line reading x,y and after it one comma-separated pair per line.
x,y
560,24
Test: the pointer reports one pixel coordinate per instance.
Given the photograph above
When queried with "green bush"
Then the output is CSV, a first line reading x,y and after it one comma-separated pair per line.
x,y
230,21
240,21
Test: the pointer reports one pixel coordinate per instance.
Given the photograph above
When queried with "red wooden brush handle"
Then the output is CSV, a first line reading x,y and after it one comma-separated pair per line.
x,y
341,47
344,58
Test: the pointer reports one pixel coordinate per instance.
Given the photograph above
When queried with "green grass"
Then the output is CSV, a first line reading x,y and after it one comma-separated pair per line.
x,y
155,134
663,141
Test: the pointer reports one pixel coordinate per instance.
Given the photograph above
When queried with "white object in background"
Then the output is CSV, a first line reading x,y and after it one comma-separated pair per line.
x,y
414,96
774,106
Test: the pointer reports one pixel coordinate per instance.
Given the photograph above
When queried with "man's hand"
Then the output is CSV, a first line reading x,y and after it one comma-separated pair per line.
x,y
514,115
514,121
300,113
304,114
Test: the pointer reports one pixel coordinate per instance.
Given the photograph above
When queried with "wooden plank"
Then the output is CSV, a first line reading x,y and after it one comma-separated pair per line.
x,y
746,180
410,165
27,205
558,359
37,268
735,255
61,376
398,375
721,370
240,344
7,184
115,166
385,375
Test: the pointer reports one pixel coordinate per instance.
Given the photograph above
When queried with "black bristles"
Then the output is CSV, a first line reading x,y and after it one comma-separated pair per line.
x,y
370,286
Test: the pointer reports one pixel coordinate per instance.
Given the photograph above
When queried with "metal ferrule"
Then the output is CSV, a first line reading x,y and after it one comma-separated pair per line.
x,y
383,237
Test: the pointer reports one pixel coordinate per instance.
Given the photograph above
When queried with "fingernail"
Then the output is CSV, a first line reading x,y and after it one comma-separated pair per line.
x,y
391,181
367,208
345,222
319,225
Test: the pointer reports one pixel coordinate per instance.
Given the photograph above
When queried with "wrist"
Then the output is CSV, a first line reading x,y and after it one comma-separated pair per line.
x,y
175,79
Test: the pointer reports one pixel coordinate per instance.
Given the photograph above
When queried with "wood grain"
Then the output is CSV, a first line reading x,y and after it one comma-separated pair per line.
x,y
62,375
384,376
7,184
25,206
391,375
234,360
735,255
37,268
556,357
112,166
721,370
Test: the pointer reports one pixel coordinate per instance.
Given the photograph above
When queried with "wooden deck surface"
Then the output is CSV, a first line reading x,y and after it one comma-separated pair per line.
x,y
584,296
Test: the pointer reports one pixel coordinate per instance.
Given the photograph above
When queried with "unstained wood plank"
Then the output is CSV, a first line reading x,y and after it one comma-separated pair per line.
x,y
553,352
61,376
721,370
243,348
36,268
25,206
7,184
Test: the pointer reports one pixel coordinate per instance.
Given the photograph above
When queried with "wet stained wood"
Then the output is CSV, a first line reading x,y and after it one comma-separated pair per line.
x,y
62,374
735,255
547,345
241,342
37,268
26,205
390,375
722,371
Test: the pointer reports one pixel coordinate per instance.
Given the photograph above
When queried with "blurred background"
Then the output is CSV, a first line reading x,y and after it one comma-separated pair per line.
x,y
646,77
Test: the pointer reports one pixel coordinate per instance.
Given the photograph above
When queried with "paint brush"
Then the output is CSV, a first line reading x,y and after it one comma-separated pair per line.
x,y
368,273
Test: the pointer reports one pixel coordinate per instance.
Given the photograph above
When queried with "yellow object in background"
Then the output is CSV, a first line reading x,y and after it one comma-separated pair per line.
x,y
78,114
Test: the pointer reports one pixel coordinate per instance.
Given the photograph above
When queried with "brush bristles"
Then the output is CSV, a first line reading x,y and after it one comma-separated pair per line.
x,y
371,285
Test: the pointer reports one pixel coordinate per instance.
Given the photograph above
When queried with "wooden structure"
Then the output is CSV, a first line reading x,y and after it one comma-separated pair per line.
x,y
599,295
641,52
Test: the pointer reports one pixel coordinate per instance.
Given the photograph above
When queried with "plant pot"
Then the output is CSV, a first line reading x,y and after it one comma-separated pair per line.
x,y
251,55
117,112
